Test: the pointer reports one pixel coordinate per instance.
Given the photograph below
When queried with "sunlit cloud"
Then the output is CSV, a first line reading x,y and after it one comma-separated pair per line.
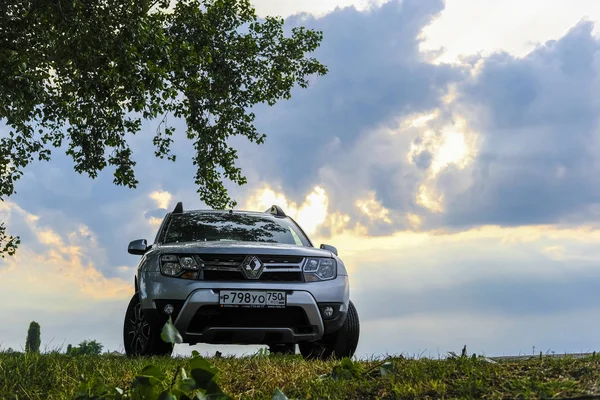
x,y
313,212
64,268
310,214
420,120
162,198
452,150
155,221
508,25
411,252
263,198
315,7
454,145
430,199
373,209
414,221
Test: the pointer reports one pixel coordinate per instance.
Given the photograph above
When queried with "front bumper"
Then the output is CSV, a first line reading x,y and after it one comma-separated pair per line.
x,y
199,318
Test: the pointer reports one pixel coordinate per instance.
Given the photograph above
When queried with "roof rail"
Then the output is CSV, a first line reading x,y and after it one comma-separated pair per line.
x,y
276,211
178,208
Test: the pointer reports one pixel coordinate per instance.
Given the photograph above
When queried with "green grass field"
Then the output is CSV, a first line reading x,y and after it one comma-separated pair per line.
x,y
57,376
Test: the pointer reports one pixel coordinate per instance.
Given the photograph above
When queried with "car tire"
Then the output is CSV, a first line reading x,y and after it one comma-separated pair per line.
x,y
283,348
339,344
140,337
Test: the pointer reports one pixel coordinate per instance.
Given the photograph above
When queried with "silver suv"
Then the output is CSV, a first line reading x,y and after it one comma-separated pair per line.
x,y
238,277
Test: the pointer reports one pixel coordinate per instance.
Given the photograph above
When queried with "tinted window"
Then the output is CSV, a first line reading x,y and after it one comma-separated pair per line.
x,y
208,227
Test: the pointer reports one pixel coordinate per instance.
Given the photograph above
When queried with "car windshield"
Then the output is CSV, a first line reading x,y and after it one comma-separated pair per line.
x,y
223,226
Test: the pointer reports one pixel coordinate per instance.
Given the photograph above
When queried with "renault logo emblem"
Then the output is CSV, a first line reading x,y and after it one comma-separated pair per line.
x,y
252,267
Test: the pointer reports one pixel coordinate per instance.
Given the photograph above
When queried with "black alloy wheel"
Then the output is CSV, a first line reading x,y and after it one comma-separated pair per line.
x,y
140,337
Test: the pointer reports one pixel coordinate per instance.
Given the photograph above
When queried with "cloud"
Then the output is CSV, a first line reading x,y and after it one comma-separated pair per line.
x,y
53,279
537,121
57,263
310,214
373,208
376,76
435,145
462,198
162,198
508,25
498,140
315,7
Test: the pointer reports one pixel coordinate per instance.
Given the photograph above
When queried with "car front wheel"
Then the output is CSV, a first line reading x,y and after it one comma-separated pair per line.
x,y
140,337
339,344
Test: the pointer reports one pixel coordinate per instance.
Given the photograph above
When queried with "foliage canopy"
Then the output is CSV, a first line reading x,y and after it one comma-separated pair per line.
x,y
33,341
86,348
85,74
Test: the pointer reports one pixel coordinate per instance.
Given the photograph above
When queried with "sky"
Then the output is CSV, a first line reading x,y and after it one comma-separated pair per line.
x,y
451,154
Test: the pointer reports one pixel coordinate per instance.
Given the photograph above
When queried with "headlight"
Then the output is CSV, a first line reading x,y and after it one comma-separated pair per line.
x,y
184,267
319,269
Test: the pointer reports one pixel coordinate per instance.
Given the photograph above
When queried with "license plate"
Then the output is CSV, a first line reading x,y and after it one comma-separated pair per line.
x,y
252,298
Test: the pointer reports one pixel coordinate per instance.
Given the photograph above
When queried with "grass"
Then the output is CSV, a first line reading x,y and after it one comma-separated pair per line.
x,y
56,376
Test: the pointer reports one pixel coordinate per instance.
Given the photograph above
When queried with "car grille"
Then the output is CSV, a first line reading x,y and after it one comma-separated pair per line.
x,y
226,267
229,276
238,258
215,316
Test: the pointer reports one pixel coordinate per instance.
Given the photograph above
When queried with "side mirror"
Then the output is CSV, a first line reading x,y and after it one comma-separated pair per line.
x,y
330,248
138,247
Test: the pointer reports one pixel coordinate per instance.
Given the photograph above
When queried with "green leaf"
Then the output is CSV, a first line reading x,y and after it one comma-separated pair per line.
x,y
144,381
218,396
187,385
199,362
202,377
167,395
346,370
183,373
145,387
181,395
279,395
153,371
214,392
170,334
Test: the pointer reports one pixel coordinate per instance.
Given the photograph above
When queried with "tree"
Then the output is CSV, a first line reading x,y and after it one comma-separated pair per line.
x,y
33,341
85,73
90,348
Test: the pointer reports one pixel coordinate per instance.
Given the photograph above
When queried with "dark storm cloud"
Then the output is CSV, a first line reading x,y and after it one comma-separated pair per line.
x,y
537,118
375,73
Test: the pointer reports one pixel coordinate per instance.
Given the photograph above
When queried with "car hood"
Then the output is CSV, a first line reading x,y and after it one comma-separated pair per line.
x,y
242,248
